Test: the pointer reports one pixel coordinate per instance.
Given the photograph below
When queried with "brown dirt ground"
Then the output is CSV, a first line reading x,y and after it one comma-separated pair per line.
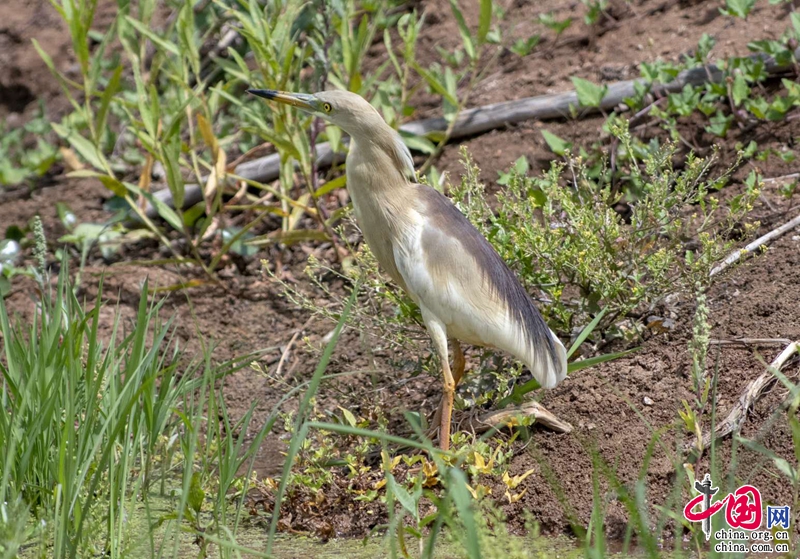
x,y
245,312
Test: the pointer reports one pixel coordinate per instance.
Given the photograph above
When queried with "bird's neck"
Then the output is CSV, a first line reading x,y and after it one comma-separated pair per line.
x,y
378,187
374,164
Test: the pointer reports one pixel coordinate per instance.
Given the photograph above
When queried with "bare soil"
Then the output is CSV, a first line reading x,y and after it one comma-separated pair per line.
x,y
245,312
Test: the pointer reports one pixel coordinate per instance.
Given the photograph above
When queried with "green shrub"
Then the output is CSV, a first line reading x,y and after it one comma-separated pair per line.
x,y
562,235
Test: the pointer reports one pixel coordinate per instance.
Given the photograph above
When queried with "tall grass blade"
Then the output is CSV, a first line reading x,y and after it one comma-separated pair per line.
x,y
301,427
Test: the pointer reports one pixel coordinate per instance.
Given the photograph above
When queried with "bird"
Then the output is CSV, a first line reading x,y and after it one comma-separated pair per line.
x,y
463,288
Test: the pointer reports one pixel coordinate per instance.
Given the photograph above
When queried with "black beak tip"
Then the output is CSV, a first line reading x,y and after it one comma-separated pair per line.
x,y
265,93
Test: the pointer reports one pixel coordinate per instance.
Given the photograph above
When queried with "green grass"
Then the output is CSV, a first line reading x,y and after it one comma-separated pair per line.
x,y
91,424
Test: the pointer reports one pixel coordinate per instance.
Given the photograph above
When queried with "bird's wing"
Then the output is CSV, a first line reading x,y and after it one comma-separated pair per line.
x,y
457,275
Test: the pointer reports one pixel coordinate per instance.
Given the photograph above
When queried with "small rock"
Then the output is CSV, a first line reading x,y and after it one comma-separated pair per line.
x,y
13,120
647,401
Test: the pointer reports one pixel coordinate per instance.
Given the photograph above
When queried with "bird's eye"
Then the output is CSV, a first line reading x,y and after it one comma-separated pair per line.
x,y
327,107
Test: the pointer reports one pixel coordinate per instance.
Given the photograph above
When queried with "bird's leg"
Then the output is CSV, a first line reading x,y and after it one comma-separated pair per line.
x,y
459,363
448,395
439,337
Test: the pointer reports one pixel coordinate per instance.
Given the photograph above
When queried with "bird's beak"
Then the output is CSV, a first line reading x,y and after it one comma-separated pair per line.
x,y
300,100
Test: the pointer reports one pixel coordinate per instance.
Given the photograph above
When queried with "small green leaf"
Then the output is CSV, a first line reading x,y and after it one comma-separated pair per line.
x,y
556,144
589,94
435,84
403,496
237,238
719,124
586,332
418,143
84,147
740,89
330,186
521,165
466,36
523,47
796,24
738,8
558,26
196,493
349,417
14,233
166,213
485,20
159,41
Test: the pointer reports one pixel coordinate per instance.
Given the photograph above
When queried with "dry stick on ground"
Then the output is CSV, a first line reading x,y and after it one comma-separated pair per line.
x,y
509,417
749,397
736,255
782,178
285,354
751,341
479,120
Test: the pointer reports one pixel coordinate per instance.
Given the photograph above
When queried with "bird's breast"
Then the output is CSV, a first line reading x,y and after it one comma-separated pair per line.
x,y
382,221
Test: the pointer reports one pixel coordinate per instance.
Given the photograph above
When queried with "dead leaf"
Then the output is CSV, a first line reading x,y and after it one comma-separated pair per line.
x,y
146,176
208,133
512,483
70,159
516,497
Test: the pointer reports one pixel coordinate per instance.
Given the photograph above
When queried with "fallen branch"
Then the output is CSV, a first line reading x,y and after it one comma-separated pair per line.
x,y
752,392
755,245
782,178
510,417
752,341
482,119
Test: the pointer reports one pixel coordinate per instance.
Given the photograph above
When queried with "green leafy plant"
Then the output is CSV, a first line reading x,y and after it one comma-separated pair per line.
x,y
594,10
589,94
523,47
738,8
26,152
555,25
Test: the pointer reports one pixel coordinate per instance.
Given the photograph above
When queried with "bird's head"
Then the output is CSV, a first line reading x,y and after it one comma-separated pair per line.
x,y
353,114
349,111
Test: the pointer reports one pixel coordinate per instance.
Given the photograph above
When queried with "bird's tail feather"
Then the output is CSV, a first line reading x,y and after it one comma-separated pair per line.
x,y
550,367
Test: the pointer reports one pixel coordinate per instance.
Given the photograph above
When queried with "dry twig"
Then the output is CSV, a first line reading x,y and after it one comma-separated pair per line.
x,y
509,417
752,341
285,354
752,392
755,245
782,178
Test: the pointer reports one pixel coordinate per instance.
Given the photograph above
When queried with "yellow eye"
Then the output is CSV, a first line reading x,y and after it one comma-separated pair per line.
x,y
327,107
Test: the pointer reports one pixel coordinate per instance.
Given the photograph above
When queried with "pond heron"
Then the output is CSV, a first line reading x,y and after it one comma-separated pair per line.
x,y
430,249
